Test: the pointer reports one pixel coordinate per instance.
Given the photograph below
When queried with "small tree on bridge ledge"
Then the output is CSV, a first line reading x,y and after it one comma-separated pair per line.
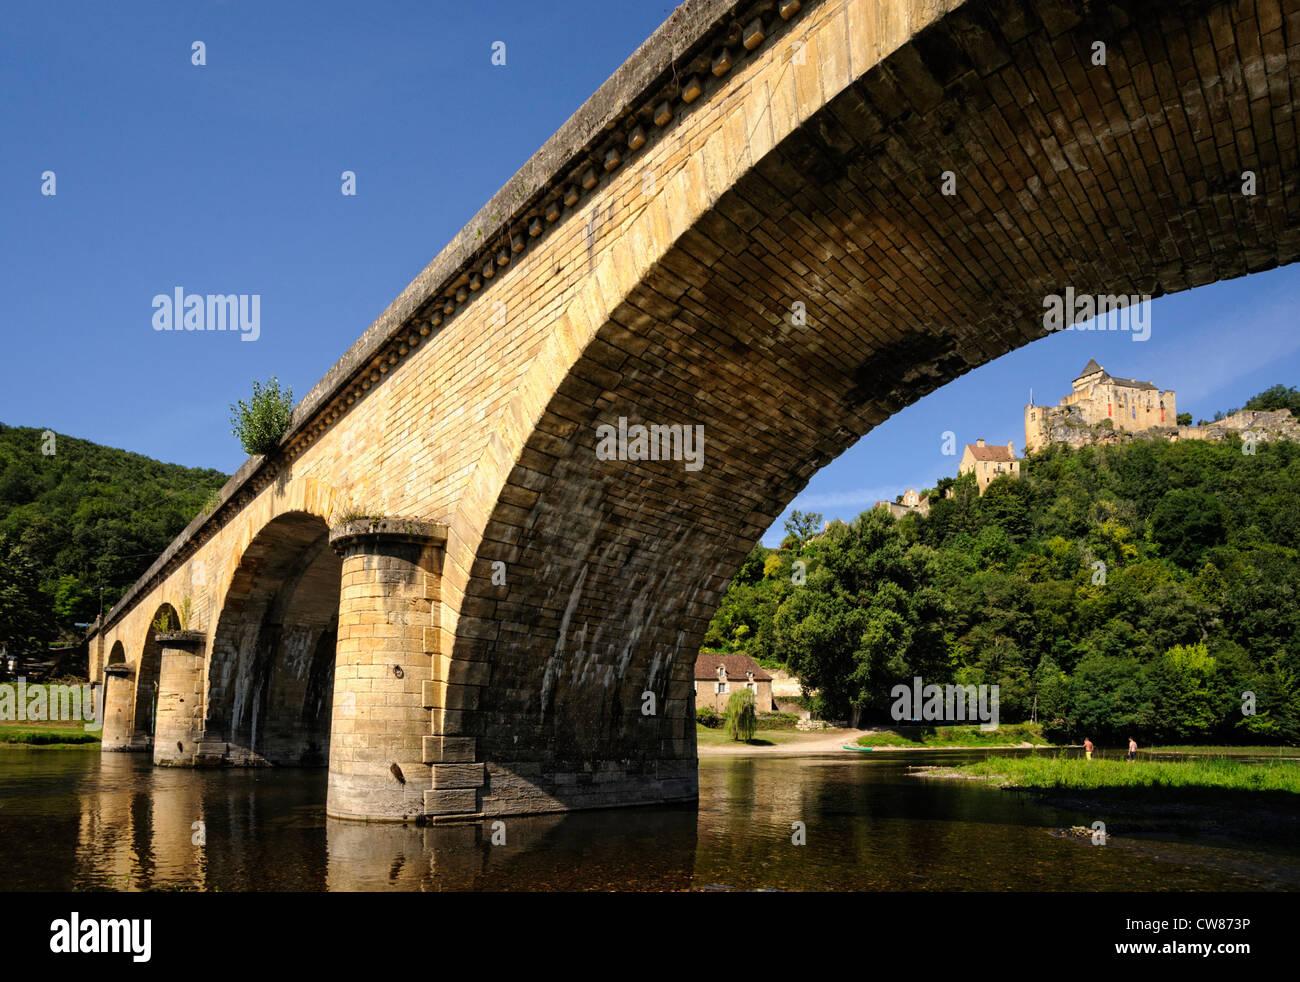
x,y
261,423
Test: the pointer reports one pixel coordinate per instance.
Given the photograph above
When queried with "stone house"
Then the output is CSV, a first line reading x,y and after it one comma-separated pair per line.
x,y
988,463
909,504
718,676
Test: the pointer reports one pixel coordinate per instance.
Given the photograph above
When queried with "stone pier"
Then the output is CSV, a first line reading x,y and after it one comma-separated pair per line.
x,y
387,637
180,698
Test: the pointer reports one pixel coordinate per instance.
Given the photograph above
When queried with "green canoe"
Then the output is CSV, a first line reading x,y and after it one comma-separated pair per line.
x,y
863,749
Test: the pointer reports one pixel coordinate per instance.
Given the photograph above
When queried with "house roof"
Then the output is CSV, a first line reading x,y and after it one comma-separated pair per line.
x,y
996,452
1132,383
1092,368
706,667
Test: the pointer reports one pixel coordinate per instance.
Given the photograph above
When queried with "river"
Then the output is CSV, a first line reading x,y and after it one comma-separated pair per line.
x,y
76,820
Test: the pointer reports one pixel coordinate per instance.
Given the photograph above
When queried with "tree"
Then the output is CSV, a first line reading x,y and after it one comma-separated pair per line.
x,y
1186,523
261,423
1277,397
91,517
1183,419
1135,589
26,619
742,720
801,526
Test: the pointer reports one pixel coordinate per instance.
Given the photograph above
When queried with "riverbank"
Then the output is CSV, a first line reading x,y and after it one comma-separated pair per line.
x,y
955,737
48,736
716,743
1200,796
1076,774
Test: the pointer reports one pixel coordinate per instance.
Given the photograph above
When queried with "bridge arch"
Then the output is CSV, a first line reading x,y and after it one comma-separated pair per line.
x,y
144,721
271,671
613,567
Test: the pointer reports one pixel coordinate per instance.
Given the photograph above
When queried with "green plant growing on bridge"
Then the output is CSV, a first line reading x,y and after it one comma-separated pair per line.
x,y
261,423
211,502
742,720
162,624
358,515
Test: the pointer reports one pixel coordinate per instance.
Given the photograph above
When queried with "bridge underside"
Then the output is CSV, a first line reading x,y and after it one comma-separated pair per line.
x,y
543,660
1126,179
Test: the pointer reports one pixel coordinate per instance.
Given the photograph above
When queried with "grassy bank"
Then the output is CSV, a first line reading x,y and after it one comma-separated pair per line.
x,y
709,737
1074,774
51,735
1011,735
1281,752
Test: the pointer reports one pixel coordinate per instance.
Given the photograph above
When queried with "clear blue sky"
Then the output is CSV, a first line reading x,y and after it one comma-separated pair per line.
x,y
226,179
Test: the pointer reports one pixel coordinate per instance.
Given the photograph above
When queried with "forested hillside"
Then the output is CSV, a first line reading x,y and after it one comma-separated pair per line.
x,y
78,519
1140,588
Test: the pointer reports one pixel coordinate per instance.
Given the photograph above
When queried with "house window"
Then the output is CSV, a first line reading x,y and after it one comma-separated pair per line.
x,y
697,688
720,688
752,687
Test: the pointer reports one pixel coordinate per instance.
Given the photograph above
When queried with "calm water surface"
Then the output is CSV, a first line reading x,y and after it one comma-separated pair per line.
x,y
76,820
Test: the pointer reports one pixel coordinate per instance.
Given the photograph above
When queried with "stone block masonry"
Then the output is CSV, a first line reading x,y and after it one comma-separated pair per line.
x,y
656,284
387,643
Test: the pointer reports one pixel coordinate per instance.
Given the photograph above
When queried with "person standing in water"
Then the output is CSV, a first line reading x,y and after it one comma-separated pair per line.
x,y
1087,748
1132,748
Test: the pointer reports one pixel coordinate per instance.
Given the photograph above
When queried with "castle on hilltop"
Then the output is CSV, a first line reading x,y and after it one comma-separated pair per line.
x,y
1105,409
1098,398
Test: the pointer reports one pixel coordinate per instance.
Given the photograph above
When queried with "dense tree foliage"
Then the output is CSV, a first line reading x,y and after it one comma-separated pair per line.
x,y
78,517
1133,589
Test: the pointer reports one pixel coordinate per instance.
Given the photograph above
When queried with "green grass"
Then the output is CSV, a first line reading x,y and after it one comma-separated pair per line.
x,y
1009,735
48,736
1077,774
1225,751
706,737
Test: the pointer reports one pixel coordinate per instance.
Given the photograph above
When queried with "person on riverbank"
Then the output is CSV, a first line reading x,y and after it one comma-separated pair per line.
x,y
1087,748
1132,749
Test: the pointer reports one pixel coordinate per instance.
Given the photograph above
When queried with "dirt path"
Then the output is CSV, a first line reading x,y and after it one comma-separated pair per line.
x,y
812,743
823,743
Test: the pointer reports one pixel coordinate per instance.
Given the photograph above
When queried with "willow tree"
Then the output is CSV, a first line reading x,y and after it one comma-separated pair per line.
x,y
742,720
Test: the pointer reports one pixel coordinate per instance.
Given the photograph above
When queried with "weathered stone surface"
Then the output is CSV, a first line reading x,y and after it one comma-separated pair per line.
x,y
569,585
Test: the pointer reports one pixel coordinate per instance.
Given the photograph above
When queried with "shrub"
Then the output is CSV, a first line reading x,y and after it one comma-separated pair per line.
x,y
741,718
777,721
261,423
708,716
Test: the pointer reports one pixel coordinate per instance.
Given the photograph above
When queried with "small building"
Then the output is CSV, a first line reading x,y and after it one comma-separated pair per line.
x,y
718,676
988,463
908,504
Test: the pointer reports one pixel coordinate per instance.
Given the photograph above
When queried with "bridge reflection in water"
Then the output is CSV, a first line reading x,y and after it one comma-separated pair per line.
x,y
79,820
144,828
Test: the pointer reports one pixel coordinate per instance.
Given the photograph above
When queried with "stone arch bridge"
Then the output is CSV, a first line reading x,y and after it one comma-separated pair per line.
x,y
437,586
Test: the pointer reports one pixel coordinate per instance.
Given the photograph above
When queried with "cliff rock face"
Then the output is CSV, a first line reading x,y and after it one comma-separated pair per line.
x,y
1277,424
1066,424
